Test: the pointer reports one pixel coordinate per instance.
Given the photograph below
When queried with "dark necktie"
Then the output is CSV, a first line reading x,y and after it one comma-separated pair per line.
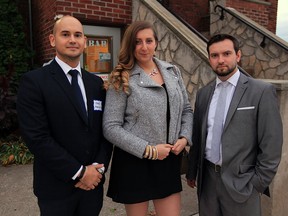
x,y
77,90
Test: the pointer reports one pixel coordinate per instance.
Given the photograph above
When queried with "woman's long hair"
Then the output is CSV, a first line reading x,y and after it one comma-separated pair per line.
x,y
119,77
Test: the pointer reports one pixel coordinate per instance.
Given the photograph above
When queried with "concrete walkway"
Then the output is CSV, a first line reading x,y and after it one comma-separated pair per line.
x,y
17,198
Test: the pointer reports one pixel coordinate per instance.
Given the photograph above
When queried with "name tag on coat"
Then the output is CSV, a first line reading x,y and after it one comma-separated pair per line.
x,y
97,105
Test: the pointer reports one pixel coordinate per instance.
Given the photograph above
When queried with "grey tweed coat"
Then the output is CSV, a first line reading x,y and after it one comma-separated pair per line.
x,y
133,121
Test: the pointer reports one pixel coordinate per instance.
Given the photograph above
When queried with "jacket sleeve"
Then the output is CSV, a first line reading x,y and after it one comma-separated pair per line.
x,y
270,139
194,152
187,113
113,121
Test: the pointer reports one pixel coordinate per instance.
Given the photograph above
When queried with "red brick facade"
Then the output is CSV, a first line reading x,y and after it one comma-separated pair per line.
x,y
196,12
264,12
118,13
112,13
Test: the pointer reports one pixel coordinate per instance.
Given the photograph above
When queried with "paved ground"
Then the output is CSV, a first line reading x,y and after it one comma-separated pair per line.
x,y
17,198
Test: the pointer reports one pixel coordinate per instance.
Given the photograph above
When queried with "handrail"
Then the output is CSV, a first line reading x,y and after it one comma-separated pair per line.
x,y
264,34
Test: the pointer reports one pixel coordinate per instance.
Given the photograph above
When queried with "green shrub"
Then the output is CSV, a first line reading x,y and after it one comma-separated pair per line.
x,y
14,61
14,151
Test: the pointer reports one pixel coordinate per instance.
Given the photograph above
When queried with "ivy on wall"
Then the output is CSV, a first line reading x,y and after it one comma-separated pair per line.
x,y
14,60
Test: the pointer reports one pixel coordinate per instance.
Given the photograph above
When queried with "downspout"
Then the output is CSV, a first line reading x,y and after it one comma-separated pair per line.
x,y
31,31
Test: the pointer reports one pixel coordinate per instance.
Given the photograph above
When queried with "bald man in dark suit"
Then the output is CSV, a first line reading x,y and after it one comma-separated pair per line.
x,y
63,132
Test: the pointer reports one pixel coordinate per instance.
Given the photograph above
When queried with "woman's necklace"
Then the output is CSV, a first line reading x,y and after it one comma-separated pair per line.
x,y
153,73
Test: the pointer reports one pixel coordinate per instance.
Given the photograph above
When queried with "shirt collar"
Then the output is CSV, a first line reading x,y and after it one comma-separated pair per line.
x,y
66,68
232,80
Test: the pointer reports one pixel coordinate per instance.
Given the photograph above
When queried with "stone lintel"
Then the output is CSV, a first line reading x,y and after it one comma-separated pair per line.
x,y
280,85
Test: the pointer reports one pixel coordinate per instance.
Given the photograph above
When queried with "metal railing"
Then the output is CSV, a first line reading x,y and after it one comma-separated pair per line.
x,y
264,34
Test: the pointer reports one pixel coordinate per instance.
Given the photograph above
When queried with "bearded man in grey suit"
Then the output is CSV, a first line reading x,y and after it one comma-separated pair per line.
x,y
237,149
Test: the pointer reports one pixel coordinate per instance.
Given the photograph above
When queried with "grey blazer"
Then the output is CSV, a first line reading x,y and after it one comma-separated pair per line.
x,y
133,121
251,140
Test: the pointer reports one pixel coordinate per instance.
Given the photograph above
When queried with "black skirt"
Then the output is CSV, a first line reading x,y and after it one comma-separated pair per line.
x,y
134,180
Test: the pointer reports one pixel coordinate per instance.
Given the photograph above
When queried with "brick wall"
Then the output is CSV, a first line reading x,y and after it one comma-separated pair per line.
x,y
264,12
119,13
196,12
89,12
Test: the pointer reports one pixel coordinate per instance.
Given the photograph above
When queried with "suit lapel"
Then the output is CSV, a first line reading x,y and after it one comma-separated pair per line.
x,y
239,91
60,78
205,106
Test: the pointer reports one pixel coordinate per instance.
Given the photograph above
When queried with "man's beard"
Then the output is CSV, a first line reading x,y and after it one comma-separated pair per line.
x,y
222,73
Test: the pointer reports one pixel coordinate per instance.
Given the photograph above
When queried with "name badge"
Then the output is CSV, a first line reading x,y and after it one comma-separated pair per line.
x,y
97,105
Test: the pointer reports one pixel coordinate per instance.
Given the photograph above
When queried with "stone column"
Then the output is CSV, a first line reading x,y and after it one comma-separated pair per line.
x,y
276,205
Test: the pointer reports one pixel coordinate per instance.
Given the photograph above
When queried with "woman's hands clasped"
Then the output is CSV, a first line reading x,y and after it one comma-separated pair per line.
x,y
165,149
179,146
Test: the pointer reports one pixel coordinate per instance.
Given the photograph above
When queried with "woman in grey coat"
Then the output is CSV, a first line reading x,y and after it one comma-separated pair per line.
x,y
148,118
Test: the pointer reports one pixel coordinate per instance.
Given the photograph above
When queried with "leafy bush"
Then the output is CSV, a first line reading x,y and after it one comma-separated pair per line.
x,y
14,151
14,58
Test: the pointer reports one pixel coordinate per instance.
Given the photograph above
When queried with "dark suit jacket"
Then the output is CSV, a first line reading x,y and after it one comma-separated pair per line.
x,y
56,132
251,140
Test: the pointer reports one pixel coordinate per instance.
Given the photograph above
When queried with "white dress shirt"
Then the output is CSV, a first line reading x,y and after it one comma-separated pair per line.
x,y
66,68
212,109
